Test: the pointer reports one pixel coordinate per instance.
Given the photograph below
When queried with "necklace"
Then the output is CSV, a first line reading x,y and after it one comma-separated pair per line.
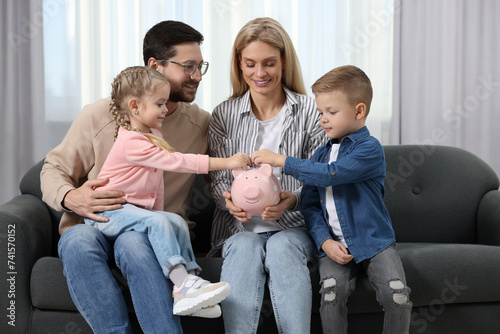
x,y
136,129
139,130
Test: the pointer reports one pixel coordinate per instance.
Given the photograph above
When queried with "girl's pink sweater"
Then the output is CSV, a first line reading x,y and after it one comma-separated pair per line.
x,y
135,166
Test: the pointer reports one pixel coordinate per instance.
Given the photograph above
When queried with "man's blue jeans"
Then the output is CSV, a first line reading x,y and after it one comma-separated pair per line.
x,y
279,258
85,253
168,234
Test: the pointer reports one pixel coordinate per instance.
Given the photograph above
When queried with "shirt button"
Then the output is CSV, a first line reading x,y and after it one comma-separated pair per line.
x,y
321,201
153,195
155,170
332,172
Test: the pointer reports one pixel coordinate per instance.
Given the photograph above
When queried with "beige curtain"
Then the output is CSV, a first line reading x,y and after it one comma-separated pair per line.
x,y
21,91
447,78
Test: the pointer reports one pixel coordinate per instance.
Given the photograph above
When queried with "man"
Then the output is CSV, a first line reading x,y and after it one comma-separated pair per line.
x,y
68,182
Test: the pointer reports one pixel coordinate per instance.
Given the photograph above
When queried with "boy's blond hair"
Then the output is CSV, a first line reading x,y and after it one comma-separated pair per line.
x,y
348,80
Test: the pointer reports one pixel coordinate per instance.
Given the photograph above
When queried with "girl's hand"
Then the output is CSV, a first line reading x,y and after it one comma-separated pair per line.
x,y
287,202
237,212
239,160
336,251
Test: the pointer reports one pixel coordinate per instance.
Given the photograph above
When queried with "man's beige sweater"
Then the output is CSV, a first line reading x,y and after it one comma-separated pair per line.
x,y
83,150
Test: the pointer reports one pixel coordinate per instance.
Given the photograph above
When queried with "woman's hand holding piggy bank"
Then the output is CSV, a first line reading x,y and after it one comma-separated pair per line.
x,y
255,189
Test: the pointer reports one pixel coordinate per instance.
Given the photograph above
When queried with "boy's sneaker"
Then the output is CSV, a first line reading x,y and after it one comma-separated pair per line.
x,y
213,311
197,293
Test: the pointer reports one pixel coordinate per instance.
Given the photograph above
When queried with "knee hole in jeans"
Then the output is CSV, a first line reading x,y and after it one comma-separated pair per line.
x,y
329,285
399,296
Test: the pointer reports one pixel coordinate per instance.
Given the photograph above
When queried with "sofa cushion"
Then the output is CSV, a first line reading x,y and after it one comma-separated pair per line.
x,y
451,273
49,289
433,192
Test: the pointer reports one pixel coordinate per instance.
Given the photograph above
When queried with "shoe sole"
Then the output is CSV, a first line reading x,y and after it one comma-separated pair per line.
x,y
209,312
188,306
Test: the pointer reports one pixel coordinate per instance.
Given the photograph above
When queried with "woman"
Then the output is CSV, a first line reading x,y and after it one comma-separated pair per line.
x,y
268,109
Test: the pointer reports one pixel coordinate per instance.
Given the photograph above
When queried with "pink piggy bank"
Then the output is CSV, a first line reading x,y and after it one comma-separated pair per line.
x,y
255,189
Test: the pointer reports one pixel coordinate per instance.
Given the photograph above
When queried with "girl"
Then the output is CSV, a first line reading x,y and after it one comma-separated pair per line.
x,y
134,166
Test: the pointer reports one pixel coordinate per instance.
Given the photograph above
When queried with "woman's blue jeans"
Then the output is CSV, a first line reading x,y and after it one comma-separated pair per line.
x,y
168,234
85,253
280,259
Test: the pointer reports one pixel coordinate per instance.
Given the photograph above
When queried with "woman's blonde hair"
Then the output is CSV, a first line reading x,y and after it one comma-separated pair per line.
x,y
135,82
269,31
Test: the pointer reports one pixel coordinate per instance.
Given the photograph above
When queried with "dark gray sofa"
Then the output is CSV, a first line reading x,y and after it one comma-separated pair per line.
x,y
445,207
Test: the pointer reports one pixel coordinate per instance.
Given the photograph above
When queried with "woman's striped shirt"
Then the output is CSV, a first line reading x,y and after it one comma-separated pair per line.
x,y
234,128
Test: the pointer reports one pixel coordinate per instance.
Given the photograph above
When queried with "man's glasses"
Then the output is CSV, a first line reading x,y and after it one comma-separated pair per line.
x,y
191,66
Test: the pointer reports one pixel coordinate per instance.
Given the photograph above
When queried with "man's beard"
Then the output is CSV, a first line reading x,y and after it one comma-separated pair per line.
x,y
178,95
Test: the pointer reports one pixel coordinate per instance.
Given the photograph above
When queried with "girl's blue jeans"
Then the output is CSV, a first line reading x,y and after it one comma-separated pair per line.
x,y
168,234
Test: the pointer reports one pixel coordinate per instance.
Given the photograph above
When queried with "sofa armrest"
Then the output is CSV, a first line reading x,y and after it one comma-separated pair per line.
x,y
488,219
25,236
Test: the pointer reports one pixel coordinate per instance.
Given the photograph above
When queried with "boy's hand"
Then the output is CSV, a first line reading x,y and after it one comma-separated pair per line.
x,y
239,160
268,157
287,202
237,212
336,251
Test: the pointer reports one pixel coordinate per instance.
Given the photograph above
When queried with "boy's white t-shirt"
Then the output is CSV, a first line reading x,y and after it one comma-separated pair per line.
x,y
268,137
331,210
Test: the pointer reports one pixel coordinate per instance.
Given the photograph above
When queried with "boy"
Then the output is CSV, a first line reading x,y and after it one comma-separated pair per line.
x,y
342,202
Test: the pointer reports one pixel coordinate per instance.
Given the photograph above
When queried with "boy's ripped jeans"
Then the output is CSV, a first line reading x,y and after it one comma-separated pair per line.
x,y
386,274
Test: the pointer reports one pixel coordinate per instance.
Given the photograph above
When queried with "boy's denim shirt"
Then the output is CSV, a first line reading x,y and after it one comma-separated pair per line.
x,y
357,178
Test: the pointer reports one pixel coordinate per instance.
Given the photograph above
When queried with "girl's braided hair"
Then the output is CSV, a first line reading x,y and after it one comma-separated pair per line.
x,y
137,82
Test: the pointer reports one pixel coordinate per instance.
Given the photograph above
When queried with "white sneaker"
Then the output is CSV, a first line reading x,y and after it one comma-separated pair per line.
x,y
213,311
197,293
